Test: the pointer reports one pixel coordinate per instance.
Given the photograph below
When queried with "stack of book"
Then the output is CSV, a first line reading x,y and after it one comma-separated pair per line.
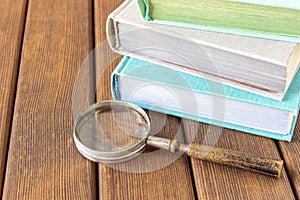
x,y
228,63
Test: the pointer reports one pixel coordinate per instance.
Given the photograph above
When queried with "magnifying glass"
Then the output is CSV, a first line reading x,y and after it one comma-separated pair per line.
x,y
118,131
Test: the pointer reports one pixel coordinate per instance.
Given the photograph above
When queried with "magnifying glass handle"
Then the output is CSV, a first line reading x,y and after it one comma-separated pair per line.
x,y
267,166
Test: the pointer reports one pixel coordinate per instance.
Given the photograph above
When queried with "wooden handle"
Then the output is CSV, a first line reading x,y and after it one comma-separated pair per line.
x,y
268,166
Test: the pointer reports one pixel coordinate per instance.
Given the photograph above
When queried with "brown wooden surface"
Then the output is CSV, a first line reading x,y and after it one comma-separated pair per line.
x,y
215,181
291,154
11,32
43,162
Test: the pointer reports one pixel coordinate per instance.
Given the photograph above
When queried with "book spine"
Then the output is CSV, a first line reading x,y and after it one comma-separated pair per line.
x,y
115,78
114,86
144,6
112,32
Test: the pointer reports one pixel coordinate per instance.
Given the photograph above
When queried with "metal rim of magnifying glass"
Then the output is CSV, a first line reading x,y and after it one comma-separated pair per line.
x,y
116,156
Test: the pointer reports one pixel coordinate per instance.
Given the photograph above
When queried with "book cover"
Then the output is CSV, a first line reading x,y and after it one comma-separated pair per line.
x,y
264,67
279,20
151,73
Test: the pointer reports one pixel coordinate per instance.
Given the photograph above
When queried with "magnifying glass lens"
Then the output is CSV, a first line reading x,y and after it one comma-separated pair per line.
x,y
111,130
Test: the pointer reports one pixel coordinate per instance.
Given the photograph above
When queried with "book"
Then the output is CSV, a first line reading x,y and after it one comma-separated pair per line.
x,y
271,19
264,67
165,90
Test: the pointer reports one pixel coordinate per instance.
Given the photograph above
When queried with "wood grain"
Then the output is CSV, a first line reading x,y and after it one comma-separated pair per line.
x,y
115,182
155,174
43,162
11,30
291,154
215,181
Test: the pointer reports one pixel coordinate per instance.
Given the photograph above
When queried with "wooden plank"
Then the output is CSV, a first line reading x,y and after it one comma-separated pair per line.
x,y
291,154
170,182
43,162
215,181
157,173
11,31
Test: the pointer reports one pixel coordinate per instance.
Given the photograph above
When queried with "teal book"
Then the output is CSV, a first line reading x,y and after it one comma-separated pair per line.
x,y
271,19
162,89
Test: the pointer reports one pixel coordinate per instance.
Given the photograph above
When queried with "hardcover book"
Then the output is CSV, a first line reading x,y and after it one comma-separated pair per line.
x,y
162,89
265,67
271,19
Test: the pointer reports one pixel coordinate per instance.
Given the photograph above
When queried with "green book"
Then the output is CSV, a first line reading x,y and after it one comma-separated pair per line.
x,y
262,66
275,19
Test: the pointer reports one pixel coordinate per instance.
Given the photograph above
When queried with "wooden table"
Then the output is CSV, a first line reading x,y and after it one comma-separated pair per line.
x,y
42,46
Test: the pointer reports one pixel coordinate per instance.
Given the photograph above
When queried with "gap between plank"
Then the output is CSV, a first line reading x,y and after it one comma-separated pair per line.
x,y
94,84
286,170
14,95
189,161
